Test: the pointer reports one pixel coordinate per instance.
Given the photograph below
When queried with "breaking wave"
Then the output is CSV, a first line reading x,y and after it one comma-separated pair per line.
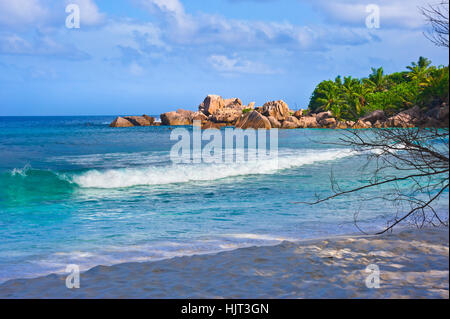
x,y
29,182
182,173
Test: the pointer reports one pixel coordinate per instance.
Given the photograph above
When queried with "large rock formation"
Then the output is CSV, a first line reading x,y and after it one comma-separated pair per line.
x,y
308,122
341,125
174,119
274,122
198,116
216,112
140,120
151,119
328,122
375,116
408,118
323,115
253,120
360,124
226,115
277,109
121,122
290,122
213,103
186,113
233,103
298,114
436,117
129,121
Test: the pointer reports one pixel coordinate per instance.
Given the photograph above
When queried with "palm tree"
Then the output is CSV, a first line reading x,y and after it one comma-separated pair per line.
x,y
329,95
355,97
377,80
419,71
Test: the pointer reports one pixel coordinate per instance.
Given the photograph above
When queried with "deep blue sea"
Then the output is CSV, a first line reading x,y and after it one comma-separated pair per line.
x,y
75,191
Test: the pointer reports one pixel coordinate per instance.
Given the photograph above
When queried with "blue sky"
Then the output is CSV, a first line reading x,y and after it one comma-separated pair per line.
x,y
151,56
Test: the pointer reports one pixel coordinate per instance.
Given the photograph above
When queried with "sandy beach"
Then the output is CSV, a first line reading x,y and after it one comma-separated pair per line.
x,y
413,264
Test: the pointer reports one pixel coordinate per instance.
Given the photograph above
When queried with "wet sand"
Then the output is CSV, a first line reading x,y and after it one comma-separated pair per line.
x,y
413,264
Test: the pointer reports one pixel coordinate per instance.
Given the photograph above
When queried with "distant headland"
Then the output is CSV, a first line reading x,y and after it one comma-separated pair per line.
x,y
217,112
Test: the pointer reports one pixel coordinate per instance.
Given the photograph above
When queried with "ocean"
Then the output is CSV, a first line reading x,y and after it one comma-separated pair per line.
x,y
75,191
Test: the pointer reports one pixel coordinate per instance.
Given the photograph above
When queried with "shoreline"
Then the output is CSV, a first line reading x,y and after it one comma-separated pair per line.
x,y
413,263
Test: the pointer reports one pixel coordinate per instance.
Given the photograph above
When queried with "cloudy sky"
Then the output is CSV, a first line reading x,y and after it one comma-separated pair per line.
x,y
150,56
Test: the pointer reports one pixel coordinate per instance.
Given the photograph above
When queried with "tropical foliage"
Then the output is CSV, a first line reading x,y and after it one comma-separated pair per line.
x,y
350,98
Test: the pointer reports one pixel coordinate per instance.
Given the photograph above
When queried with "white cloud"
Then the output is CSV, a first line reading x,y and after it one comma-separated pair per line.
x,y
170,6
213,30
13,44
21,13
225,64
393,13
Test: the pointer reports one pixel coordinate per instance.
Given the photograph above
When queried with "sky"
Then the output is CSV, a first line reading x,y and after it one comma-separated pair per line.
x,y
152,56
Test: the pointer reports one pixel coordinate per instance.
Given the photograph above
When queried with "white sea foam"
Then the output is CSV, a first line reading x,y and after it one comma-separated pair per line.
x,y
182,173
21,171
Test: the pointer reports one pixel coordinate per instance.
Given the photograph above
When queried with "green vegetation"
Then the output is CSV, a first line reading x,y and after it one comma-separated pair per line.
x,y
246,110
350,98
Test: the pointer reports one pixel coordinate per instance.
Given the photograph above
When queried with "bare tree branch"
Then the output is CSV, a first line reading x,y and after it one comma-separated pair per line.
x,y
411,165
437,16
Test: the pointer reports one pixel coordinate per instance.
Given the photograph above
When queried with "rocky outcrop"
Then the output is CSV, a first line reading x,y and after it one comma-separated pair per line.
x,y
186,113
174,119
121,122
140,120
290,122
226,115
259,109
277,109
308,122
360,124
405,119
216,112
375,116
323,116
151,119
233,103
328,122
213,103
378,124
253,120
436,117
298,114
274,122
341,125
129,121
198,116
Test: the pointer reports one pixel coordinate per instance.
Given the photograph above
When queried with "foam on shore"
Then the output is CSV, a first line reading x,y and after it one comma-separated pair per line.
x,y
413,264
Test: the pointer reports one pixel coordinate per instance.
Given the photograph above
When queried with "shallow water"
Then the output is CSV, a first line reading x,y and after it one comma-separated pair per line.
x,y
74,191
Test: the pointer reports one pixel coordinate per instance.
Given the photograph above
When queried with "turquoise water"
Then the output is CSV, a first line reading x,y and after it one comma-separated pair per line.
x,y
74,191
